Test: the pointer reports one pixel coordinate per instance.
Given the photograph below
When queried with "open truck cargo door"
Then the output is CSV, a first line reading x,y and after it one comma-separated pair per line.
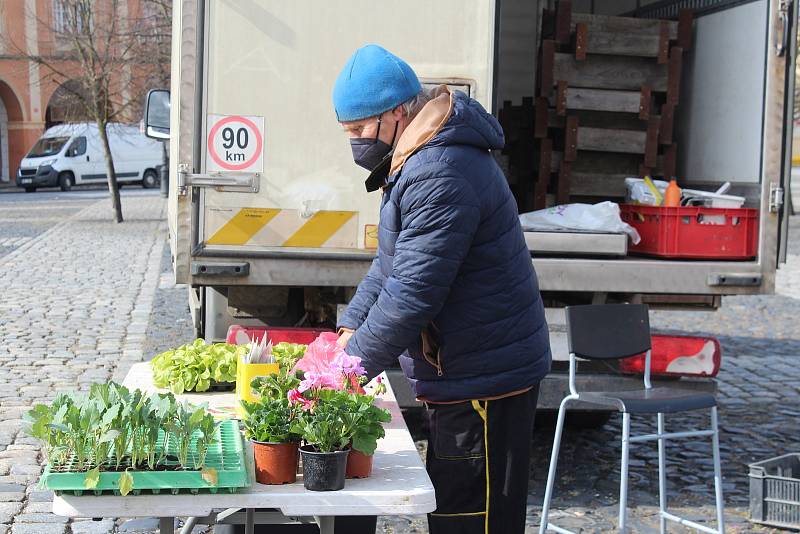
x,y
785,45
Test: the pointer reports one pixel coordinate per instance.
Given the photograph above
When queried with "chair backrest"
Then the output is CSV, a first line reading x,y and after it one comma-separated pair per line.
x,y
608,331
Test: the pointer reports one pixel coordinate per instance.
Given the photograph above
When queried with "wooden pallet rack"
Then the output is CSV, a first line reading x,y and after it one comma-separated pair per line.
x,y
605,106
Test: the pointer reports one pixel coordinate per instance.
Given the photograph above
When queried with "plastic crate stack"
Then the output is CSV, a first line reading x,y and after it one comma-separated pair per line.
x,y
607,93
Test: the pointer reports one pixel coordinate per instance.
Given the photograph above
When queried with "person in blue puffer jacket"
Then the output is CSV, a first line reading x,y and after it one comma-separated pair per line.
x,y
452,293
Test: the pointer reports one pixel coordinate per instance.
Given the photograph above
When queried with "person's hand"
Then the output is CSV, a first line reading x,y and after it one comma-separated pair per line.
x,y
344,337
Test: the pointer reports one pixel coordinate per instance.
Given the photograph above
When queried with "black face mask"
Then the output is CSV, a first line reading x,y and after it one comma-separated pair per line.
x,y
368,153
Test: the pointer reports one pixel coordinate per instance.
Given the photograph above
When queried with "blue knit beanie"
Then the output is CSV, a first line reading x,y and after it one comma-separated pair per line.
x,y
372,81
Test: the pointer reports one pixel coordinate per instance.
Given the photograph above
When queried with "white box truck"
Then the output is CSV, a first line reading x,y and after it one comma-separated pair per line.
x,y
72,154
268,216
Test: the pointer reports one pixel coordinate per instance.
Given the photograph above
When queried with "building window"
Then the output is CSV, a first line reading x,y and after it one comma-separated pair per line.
x,y
59,17
2,24
156,23
67,18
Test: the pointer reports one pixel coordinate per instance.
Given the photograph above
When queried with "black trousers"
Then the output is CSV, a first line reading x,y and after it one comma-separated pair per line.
x,y
478,460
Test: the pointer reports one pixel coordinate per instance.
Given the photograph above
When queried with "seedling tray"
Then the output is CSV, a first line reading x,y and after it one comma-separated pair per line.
x,y
226,456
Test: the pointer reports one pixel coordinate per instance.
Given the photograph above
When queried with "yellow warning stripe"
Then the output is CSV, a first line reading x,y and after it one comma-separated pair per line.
x,y
319,229
243,226
483,411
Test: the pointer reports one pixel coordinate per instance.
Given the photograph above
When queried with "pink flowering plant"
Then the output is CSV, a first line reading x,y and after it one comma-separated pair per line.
x,y
334,409
325,365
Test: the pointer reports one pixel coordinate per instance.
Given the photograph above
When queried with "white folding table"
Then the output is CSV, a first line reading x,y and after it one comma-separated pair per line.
x,y
399,484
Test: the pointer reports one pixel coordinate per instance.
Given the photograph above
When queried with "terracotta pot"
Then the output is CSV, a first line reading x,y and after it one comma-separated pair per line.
x,y
276,463
323,471
359,465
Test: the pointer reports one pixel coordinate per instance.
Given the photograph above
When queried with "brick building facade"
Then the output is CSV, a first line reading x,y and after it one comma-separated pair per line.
x,y
31,99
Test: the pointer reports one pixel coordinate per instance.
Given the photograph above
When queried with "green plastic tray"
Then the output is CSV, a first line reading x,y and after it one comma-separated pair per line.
x,y
226,456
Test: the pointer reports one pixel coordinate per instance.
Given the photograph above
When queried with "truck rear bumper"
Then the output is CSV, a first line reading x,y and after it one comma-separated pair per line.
x,y
555,387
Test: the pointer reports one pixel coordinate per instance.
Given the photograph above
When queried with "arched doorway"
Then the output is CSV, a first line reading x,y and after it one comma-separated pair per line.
x,y
66,105
10,111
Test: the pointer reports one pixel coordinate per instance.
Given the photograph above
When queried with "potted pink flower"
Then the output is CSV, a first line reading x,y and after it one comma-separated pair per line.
x,y
339,420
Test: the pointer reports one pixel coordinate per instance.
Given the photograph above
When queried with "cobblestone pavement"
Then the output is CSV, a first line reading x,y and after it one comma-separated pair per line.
x,y
24,216
78,316
22,222
170,323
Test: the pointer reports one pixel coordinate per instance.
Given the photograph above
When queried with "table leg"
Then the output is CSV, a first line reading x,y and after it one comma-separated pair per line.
x,y
249,521
166,525
326,524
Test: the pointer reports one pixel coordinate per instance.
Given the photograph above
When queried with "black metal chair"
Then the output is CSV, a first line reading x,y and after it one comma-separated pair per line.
x,y
614,331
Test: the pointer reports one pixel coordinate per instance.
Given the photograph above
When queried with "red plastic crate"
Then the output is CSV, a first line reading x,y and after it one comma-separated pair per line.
x,y
275,334
694,232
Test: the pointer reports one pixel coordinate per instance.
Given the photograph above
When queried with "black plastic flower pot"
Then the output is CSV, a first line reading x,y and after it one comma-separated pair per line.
x,y
323,471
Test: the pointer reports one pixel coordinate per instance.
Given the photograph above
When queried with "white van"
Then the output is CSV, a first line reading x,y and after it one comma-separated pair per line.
x,y
70,154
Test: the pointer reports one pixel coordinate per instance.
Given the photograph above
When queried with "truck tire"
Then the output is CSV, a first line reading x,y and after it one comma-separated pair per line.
x,y
30,188
66,180
149,179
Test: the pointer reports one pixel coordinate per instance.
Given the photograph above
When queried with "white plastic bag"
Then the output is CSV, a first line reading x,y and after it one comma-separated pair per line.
x,y
603,218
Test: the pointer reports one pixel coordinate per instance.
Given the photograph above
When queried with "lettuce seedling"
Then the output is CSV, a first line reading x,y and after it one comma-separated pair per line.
x,y
194,366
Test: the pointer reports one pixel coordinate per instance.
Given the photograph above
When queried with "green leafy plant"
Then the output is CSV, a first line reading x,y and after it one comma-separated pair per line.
x,y
270,420
184,425
368,423
275,386
288,354
195,366
114,429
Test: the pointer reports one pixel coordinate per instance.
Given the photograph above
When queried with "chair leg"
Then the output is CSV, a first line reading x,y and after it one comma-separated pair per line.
x,y
623,476
551,473
662,477
717,473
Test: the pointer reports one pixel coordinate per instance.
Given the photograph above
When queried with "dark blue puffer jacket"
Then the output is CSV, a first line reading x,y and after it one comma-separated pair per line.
x,y
452,292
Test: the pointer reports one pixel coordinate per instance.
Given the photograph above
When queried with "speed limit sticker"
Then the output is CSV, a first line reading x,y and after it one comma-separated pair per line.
x,y
235,143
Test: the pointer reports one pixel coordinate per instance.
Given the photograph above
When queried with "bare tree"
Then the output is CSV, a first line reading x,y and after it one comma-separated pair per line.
x,y
104,56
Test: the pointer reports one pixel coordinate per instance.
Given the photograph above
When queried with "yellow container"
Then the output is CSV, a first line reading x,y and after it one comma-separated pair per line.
x,y
245,373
